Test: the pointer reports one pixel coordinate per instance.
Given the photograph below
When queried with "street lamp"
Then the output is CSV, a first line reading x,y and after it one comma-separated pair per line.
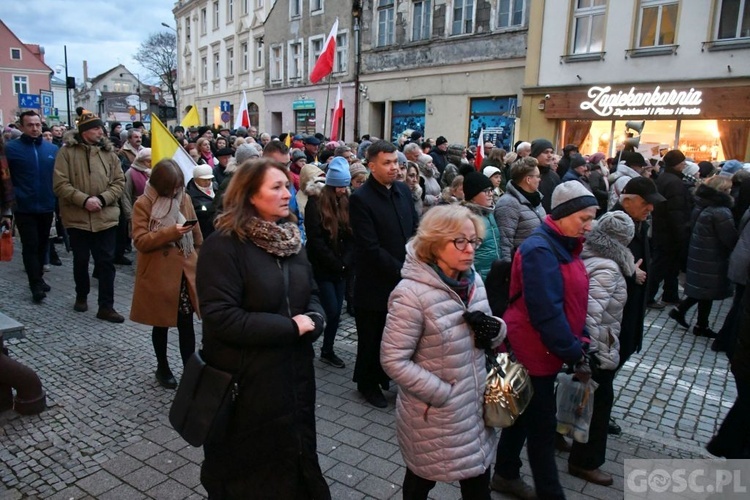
x,y
168,26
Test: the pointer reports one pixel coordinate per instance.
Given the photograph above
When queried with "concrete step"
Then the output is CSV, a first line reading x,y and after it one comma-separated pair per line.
x,y
10,328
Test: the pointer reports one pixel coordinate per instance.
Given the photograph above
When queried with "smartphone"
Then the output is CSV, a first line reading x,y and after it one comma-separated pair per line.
x,y
190,223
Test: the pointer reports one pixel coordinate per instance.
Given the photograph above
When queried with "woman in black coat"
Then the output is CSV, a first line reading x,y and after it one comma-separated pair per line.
x,y
202,190
261,315
711,242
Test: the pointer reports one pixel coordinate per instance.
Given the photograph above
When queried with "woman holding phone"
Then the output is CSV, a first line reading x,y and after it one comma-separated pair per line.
x,y
167,237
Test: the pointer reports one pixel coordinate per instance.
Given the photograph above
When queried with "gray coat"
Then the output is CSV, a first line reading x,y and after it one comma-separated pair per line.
x,y
739,261
516,219
711,242
428,350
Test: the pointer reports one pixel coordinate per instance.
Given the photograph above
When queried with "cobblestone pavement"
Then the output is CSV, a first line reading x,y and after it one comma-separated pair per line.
x,y
106,432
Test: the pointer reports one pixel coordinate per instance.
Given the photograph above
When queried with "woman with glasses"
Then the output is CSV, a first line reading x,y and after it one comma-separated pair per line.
x,y
519,212
439,322
478,197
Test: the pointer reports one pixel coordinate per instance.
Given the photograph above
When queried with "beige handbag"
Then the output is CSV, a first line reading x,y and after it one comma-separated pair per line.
x,y
508,390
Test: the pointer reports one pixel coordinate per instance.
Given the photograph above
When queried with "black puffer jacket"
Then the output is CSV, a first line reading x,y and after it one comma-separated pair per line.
x,y
329,262
672,218
270,446
711,242
204,207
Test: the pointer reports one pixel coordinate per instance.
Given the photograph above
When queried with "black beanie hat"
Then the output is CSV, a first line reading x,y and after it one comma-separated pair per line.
x,y
475,183
538,146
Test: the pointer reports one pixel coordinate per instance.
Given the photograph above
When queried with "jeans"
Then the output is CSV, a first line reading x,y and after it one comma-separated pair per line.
x,y
473,488
34,232
332,299
591,455
101,246
538,424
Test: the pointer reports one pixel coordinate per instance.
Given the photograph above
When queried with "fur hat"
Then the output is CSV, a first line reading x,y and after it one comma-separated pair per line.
x,y
338,173
569,198
475,183
730,167
539,146
673,158
88,120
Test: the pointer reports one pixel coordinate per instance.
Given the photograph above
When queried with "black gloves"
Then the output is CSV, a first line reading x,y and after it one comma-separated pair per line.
x,y
320,325
485,328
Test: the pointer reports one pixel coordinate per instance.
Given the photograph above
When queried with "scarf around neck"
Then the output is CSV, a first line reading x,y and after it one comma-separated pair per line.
x,y
165,213
281,239
462,286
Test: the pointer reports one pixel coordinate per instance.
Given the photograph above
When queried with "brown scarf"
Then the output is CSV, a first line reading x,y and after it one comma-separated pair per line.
x,y
165,212
279,239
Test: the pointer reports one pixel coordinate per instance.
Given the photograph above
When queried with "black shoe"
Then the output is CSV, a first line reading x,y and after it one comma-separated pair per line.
x,y
331,359
81,305
386,386
679,317
717,346
658,305
37,294
165,378
55,260
123,261
514,487
375,398
109,314
704,331
613,429
562,444
45,286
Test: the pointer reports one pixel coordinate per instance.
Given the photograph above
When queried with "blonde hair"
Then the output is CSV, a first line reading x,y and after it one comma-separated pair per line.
x,y
720,183
439,225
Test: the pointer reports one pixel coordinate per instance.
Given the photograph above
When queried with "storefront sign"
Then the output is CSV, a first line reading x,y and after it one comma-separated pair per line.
x,y
657,102
303,104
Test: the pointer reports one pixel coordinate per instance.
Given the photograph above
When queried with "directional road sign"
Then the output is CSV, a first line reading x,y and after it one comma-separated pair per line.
x,y
225,106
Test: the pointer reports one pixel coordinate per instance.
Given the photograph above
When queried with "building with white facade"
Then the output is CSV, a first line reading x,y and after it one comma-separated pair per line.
x,y
117,95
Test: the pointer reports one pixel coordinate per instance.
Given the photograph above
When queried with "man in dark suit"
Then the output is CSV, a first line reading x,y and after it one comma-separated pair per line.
x,y
383,218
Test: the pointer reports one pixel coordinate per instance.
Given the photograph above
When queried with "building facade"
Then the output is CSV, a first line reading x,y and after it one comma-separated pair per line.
x,y
22,71
220,54
670,73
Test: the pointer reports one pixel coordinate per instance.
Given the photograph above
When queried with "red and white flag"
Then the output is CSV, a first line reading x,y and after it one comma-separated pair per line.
x,y
324,65
243,117
480,151
338,115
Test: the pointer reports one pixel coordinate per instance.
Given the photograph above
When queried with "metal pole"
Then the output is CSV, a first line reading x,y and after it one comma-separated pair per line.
x,y
328,96
67,90
140,113
356,78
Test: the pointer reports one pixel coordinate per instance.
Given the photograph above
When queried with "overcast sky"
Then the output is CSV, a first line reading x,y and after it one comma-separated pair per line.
x,y
103,32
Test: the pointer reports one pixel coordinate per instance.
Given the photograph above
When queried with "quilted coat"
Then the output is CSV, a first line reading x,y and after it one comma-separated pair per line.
x,y
490,249
428,350
711,242
739,262
516,218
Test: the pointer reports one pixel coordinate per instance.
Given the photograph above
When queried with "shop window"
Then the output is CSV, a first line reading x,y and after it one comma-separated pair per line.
x,y
733,19
510,13
497,117
701,140
463,17
304,121
588,26
386,10
421,17
407,116
658,23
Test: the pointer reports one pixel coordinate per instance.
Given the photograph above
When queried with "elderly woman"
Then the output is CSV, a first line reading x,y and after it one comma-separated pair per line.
x,y
608,262
519,212
202,190
439,322
546,328
478,198
164,295
261,315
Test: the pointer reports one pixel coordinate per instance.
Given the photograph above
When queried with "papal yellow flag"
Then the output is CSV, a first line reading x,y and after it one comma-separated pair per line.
x,y
164,145
191,119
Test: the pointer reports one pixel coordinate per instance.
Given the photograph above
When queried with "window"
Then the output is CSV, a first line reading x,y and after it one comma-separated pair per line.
x,y
204,69
203,21
187,29
510,13
295,60
258,53
295,8
588,30
230,11
421,16
463,17
258,4
658,21
316,6
230,61
277,61
316,47
386,11
15,54
341,63
216,15
245,6
496,116
304,121
216,65
245,56
734,19
20,84
407,115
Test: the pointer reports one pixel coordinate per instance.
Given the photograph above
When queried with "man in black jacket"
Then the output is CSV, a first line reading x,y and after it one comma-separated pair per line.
x,y
671,233
383,218
543,151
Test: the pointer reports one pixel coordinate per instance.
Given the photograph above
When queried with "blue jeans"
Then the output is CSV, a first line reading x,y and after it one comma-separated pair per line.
x,y
332,300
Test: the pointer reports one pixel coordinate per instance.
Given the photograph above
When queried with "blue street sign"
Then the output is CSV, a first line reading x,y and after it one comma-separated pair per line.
x,y
29,101
133,118
225,106
46,110
47,100
225,117
146,118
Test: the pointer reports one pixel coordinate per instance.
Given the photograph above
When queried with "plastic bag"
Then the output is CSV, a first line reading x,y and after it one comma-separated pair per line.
x,y
6,246
575,406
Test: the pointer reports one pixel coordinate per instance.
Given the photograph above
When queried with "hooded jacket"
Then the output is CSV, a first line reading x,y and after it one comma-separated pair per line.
x,y
82,171
31,163
428,350
516,218
491,248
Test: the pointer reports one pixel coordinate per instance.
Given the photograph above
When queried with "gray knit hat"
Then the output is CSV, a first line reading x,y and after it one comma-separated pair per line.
x,y
570,197
617,225
245,152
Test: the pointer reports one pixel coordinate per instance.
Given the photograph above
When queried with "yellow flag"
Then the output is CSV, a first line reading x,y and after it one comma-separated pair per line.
x,y
164,145
191,119
288,140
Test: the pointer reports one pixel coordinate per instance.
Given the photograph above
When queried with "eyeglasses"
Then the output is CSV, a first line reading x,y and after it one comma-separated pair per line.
x,y
487,191
460,243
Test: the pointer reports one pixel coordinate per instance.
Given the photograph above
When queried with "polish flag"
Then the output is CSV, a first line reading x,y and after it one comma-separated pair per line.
x,y
338,115
243,118
324,65
480,151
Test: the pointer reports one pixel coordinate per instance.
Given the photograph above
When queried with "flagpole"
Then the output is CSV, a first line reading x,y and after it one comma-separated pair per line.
x,y
328,96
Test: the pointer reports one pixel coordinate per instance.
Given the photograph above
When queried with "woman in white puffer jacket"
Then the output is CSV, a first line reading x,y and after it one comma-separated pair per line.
x,y
439,322
608,261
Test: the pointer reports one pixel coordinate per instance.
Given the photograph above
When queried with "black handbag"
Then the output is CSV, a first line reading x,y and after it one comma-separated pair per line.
x,y
202,406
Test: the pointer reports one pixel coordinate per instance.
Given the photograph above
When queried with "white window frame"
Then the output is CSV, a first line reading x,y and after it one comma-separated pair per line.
x,y
216,14
341,58
385,15
510,12
258,43
276,56
295,9
589,13
295,60
230,11
744,6
423,24
19,51
204,69
245,50
217,65
317,7
245,7
204,21
230,61
464,8
18,82
649,4
314,53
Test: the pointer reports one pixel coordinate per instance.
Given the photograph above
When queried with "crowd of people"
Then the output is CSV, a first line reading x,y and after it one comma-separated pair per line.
x,y
273,236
